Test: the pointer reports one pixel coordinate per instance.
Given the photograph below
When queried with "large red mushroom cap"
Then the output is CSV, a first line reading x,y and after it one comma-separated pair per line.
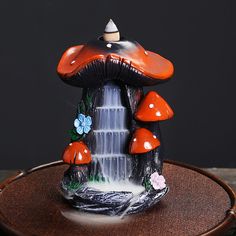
x,y
77,153
153,108
121,59
143,141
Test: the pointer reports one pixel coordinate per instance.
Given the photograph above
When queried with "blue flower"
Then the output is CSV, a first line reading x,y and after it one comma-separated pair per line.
x,y
83,124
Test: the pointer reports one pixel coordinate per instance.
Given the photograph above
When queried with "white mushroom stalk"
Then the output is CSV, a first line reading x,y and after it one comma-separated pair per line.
x,y
111,33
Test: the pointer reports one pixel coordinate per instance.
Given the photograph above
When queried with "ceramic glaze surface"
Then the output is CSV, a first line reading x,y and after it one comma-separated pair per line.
x,y
115,141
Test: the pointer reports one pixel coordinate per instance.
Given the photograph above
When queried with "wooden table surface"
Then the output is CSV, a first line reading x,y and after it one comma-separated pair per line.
x,y
226,174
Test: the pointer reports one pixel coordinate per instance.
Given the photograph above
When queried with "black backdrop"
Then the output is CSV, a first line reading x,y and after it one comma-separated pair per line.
x,y
37,109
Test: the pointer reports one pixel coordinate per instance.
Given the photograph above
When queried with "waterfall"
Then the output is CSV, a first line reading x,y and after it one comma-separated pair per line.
x,y
111,136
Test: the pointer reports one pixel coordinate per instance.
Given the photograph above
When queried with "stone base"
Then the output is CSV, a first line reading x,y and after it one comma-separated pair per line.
x,y
112,202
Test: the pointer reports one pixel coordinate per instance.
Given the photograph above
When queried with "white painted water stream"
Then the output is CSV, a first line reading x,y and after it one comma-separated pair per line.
x,y
111,135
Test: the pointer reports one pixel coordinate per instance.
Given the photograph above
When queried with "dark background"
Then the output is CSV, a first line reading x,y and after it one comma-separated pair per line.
x,y
37,109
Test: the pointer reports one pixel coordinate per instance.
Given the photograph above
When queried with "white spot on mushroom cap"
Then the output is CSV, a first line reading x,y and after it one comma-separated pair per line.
x,y
158,113
134,139
154,136
145,52
151,105
85,151
79,156
72,62
109,45
147,145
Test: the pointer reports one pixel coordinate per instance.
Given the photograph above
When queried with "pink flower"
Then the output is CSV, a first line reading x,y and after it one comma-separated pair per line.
x,y
158,182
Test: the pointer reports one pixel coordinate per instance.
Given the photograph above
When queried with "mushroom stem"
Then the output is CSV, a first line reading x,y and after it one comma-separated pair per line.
x,y
111,33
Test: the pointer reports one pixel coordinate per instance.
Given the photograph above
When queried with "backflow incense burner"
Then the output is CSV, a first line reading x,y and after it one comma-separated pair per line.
x,y
115,156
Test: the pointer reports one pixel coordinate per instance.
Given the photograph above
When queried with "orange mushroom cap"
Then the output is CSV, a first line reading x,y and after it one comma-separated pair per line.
x,y
125,60
143,141
77,153
153,108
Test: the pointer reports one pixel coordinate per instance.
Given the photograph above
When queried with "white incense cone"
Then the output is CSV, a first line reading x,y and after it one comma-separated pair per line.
x,y
111,33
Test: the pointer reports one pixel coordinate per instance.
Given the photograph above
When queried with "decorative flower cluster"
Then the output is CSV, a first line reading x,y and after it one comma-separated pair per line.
x,y
158,182
83,124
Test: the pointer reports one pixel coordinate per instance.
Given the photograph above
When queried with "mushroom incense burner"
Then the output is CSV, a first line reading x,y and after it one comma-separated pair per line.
x,y
115,156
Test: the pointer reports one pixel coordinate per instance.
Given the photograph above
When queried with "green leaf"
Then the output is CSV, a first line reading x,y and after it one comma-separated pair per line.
x,y
73,134
74,137
147,184
82,107
88,102
70,132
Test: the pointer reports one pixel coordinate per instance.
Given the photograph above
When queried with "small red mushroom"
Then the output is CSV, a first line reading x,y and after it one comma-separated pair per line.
x,y
153,108
77,153
143,141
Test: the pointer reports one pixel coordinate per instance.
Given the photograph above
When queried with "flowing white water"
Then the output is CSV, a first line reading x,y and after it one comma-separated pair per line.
x,y
111,136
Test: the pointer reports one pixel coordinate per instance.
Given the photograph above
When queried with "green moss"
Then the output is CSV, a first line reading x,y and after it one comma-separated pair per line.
x,y
73,185
96,178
